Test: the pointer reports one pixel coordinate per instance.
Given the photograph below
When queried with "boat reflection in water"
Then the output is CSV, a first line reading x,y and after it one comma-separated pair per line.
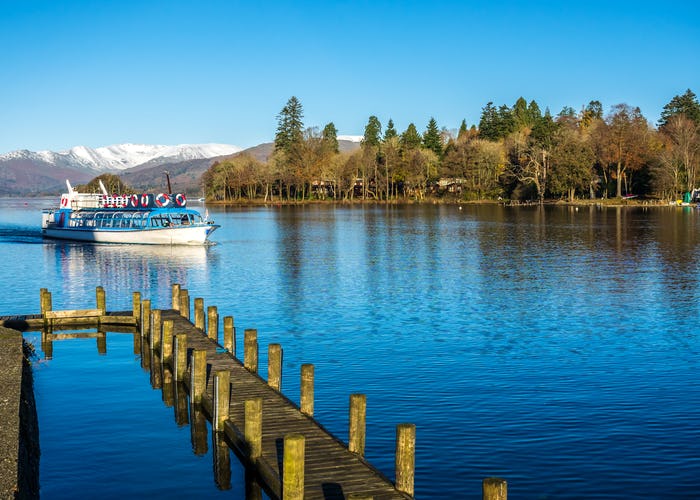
x,y
121,269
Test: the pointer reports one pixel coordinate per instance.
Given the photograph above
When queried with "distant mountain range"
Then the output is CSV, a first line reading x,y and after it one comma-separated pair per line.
x,y
29,173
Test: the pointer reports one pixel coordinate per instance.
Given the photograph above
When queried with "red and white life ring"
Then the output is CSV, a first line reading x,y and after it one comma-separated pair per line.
x,y
162,200
144,200
180,200
64,201
134,201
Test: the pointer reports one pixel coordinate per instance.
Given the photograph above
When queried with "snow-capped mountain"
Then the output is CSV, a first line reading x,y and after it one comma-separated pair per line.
x,y
121,156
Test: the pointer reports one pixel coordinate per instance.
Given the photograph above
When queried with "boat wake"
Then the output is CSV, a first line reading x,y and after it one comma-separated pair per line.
x,y
24,235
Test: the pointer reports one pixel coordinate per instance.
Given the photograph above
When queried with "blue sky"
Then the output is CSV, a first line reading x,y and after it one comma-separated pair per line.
x,y
96,73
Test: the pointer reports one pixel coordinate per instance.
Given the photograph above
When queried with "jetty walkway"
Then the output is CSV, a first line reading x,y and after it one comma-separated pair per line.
x,y
290,454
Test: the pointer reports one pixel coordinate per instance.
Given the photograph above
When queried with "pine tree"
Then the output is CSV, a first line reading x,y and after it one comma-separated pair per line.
x,y
390,131
432,139
462,130
411,139
373,131
289,126
330,137
686,104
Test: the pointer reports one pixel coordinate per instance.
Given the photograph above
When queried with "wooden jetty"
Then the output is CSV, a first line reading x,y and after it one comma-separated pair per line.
x,y
291,454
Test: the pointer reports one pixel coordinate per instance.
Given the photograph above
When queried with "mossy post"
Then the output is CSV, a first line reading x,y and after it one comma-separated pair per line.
x,y
222,394
293,467
358,416
156,329
253,427
136,306
229,335
213,323
176,296
274,366
100,299
184,304
405,457
198,381
180,356
199,313
250,350
146,316
494,488
307,389
166,348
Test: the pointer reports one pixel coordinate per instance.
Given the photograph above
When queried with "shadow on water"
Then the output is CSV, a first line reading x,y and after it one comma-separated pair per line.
x,y
20,235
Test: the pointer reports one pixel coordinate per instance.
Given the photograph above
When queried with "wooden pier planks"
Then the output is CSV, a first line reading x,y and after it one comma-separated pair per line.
x,y
331,471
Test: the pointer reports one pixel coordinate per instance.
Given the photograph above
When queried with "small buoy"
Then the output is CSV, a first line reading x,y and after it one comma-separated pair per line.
x,y
460,207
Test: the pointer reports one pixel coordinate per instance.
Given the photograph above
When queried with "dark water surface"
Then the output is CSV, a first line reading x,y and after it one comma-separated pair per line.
x,y
556,348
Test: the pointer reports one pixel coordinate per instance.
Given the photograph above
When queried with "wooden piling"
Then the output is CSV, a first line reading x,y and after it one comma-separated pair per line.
x,y
293,467
213,323
307,389
405,457
176,296
185,303
46,305
198,375
100,299
156,329
250,350
358,416
146,317
180,356
229,335
136,306
166,348
274,366
253,427
222,393
199,313
494,488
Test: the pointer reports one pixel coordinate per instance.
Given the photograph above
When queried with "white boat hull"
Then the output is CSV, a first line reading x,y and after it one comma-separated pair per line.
x,y
181,235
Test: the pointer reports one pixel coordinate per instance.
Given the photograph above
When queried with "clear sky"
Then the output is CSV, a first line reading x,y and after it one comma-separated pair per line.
x,y
95,73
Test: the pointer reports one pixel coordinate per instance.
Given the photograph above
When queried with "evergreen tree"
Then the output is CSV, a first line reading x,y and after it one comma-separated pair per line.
x,y
432,139
410,139
488,124
330,137
289,126
390,131
534,113
521,115
686,104
373,131
462,130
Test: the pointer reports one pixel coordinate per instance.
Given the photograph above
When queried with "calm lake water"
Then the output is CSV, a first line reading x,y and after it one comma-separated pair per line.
x,y
556,348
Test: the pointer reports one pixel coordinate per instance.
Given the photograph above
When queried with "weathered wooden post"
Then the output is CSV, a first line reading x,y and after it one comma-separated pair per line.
x,y
101,300
146,317
494,488
176,296
198,374
229,335
46,305
405,457
358,416
293,467
274,366
253,427
166,348
185,304
199,313
213,323
136,306
222,393
250,351
156,329
307,389
180,356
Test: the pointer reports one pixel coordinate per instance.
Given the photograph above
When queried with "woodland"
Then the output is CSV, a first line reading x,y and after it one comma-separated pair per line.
x,y
515,153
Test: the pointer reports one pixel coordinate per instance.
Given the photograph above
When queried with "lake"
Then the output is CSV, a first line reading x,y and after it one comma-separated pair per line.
x,y
555,347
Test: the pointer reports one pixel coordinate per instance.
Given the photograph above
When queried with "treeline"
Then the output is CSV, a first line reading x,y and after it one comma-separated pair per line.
x,y
516,152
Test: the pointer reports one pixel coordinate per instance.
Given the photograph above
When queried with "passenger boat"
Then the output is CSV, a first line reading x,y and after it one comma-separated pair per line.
x,y
151,219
